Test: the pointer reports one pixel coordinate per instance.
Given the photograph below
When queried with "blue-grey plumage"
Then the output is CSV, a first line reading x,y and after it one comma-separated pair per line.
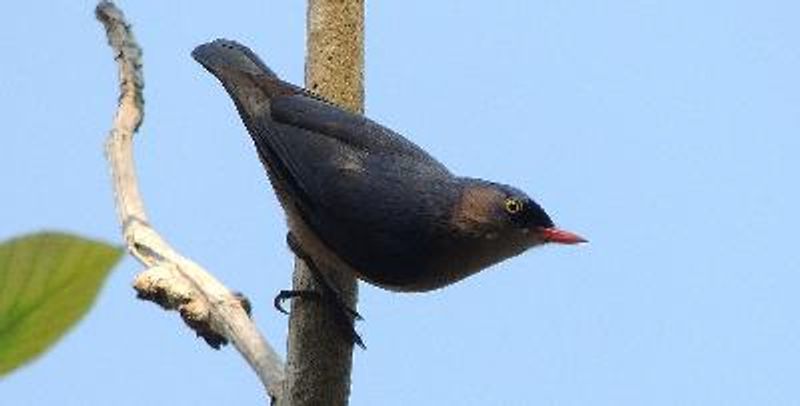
x,y
361,198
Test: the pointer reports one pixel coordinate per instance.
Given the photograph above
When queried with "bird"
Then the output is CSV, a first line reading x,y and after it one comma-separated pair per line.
x,y
362,199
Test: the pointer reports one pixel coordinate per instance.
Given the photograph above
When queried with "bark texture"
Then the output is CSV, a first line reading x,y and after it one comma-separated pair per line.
x,y
319,361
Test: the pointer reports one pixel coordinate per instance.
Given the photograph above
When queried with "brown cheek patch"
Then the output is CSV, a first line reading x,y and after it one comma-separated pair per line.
x,y
474,211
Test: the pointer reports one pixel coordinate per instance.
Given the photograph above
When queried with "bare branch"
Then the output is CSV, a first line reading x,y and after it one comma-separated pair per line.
x,y
171,280
319,365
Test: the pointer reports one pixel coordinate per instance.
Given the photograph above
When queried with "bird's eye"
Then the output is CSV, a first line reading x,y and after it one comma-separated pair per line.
x,y
513,206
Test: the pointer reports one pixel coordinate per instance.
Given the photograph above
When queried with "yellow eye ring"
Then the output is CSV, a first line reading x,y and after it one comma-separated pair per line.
x,y
513,206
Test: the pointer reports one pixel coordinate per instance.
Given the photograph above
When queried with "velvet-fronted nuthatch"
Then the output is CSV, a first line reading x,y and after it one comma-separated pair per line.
x,y
362,199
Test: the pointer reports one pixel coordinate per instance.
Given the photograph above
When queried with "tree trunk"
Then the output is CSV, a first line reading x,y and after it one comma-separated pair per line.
x,y
319,361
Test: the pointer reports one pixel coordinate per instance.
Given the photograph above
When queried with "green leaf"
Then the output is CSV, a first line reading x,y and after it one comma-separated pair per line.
x,y
48,281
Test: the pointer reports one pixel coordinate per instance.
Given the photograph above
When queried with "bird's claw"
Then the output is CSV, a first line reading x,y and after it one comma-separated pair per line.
x,y
291,294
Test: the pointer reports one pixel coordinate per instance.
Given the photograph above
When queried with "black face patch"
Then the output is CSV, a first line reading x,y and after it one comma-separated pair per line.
x,y
523,211
533,216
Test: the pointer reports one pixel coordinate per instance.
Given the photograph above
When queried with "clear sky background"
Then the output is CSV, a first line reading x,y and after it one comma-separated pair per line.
x,y
667,132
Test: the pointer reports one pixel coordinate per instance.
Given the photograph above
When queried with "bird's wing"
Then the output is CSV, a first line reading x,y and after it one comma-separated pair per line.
x,y
371,195
316,115
375,204
317,147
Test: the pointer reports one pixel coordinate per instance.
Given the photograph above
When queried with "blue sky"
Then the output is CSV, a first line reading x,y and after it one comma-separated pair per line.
x,y
665,132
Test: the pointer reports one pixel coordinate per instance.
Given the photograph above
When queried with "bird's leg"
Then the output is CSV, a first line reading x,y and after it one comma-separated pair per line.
x,y
319,277
343,314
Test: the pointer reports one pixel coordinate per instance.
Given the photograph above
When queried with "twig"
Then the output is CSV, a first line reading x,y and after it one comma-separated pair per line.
x,y
171,280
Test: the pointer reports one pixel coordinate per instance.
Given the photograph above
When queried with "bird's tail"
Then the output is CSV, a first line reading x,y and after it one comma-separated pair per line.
x,y
225,55
242,73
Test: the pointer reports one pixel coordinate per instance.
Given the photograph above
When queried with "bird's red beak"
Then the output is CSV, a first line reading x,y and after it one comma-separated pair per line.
x,y
555,235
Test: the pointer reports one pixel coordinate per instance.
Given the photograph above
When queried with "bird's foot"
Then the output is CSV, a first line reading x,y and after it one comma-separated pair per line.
x,y
344,316
328,290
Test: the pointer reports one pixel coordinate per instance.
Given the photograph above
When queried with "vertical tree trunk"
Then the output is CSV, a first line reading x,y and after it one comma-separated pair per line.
x,y
319,361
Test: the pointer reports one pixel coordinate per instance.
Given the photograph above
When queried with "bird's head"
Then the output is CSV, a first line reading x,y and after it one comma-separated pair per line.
x,y
506,219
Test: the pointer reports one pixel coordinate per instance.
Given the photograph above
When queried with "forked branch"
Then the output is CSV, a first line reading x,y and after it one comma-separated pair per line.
x,y
171,280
